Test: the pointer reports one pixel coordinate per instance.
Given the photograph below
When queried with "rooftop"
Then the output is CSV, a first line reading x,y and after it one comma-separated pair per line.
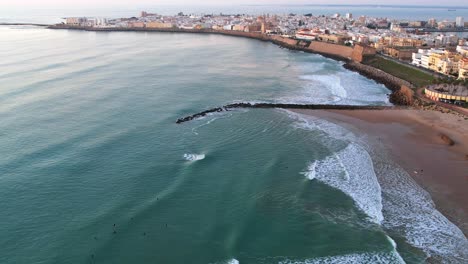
x,y
451,89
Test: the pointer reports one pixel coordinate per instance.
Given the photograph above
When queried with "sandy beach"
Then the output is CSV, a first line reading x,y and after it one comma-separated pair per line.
x,y
431,146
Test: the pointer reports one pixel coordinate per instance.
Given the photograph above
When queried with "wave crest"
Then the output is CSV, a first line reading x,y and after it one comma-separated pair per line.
x,y
194,157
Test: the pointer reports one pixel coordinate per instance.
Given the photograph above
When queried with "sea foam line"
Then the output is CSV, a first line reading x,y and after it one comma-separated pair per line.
x,y
407,209
372,257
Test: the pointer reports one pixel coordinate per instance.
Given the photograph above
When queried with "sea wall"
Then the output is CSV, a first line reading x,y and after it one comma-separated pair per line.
x,y
360,52
331,49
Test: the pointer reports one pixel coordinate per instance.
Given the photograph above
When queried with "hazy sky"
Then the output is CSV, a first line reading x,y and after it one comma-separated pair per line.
x,y
96,3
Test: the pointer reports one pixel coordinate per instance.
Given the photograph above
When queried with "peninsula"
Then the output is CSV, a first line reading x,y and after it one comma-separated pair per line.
x,y
404,56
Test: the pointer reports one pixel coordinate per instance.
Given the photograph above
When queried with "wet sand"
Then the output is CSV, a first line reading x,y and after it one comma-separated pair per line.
x,y
414,140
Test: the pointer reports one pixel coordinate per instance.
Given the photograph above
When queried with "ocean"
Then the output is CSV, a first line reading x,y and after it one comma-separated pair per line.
x,y
94,169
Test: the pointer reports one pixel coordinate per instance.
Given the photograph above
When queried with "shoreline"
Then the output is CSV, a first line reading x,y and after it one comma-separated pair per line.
x,y
24,24
419,142
291,44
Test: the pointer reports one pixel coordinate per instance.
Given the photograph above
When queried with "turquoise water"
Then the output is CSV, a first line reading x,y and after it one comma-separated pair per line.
x,y
93,168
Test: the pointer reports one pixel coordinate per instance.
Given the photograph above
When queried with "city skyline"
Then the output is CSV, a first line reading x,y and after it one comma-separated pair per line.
x,y
91,3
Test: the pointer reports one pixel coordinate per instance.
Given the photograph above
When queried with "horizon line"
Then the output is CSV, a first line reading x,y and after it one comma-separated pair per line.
x,y
246,4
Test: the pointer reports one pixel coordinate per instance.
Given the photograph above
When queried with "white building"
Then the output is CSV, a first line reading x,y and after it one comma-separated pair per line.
x,y
421,58
228,27
349,16
463,50
459,22
417,57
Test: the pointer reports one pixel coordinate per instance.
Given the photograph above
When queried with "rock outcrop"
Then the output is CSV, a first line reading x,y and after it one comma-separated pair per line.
x,y
402,96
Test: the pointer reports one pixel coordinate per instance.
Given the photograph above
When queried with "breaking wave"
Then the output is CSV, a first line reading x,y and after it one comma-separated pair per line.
x,y
311,172
410,211
333,83
230,261
194,157
375,258
386,192
354,176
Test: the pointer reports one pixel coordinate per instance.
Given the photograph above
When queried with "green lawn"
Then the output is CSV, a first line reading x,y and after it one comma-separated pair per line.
x,y
414,76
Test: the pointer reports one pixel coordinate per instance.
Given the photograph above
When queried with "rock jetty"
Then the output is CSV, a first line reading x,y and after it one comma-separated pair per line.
x,y
282,106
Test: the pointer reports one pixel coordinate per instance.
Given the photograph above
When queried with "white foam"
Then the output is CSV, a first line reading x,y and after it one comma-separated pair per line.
x,y
355,174
310,173
340,162
407,209
340,87
355,177
312,67
230,261
218,116
194,157
374,258
333,83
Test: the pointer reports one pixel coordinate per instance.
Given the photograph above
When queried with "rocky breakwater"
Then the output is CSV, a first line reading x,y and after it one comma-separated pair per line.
x,y
228,107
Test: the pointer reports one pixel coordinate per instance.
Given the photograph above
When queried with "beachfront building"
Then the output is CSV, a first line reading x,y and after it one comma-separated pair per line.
x,y
447,93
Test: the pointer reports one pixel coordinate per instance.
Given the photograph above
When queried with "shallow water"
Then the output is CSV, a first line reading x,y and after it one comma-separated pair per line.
x,y
95,170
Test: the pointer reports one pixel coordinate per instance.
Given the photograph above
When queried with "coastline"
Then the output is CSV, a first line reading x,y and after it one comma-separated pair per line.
x,y
350,56
403,132
291,44
417,141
